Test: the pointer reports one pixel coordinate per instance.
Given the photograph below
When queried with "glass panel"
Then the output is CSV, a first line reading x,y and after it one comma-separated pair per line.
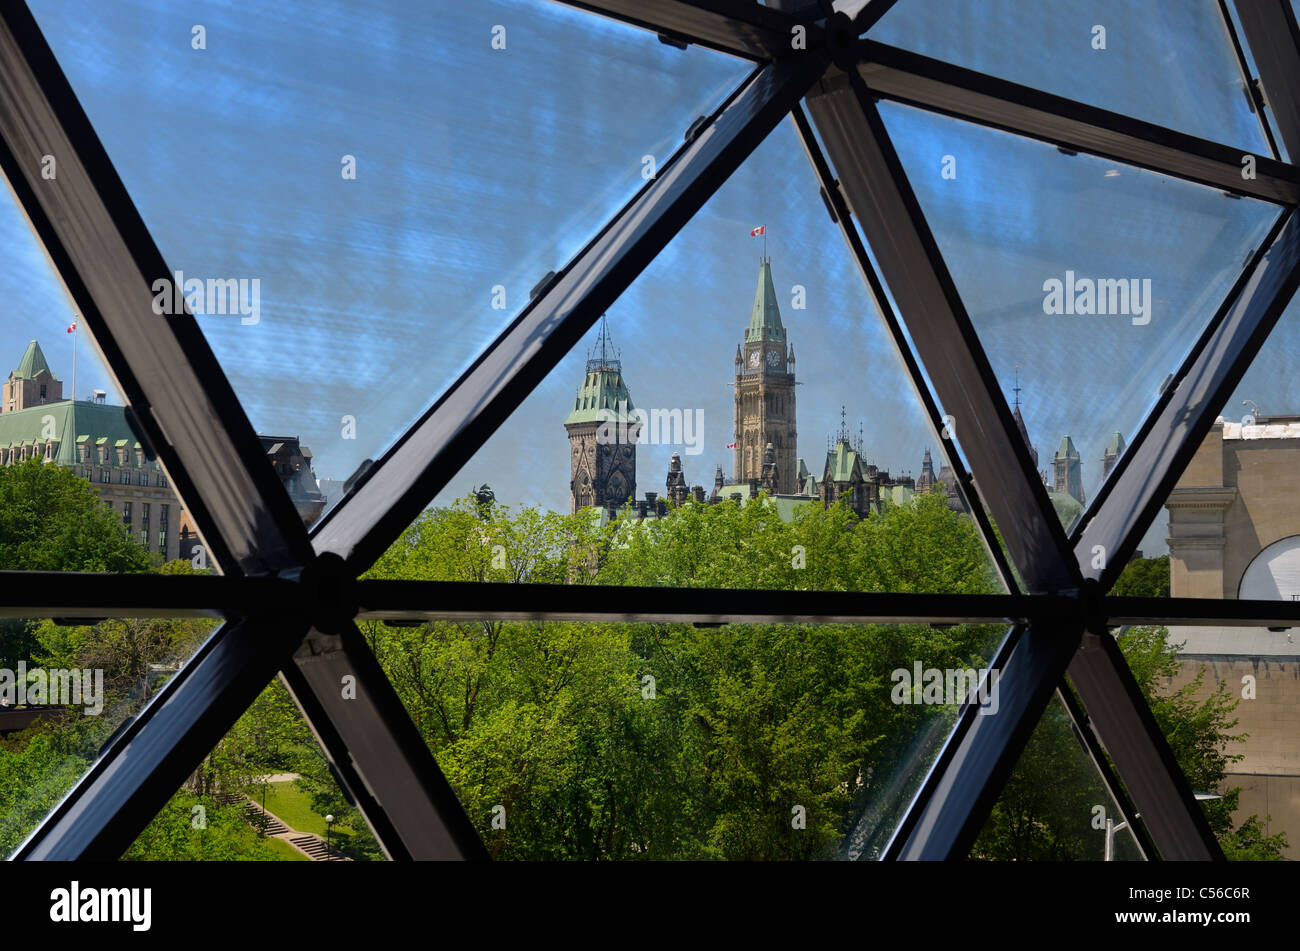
x,y
65,691
1171,64
264,794
1087,280
636,460
670,741
85,512
1231,527
383,187
1054,806
1225,698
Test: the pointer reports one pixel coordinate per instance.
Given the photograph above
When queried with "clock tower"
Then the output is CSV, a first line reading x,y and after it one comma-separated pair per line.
x,y
765,391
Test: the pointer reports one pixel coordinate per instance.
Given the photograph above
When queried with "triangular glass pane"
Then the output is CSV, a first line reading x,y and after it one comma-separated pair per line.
x,y
265,793
384,186
105,503
1087,280
1171,64
66,689
669,741
717,363
1054,806
1229,528
681,721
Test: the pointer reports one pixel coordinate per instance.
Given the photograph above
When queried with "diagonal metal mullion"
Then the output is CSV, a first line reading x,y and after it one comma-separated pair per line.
x,y
831,192
1274,38
1167,394
377,751
879,195
963,784
897,74
1256,101
125,787
102,250
738,27
1128,731
394,491
1114,788
1134,494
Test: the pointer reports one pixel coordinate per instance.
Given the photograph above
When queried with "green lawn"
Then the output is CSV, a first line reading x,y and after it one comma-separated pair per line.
x,y
284,852
292,807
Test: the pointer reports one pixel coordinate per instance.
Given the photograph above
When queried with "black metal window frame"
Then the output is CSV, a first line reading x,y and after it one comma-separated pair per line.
x,y
291,598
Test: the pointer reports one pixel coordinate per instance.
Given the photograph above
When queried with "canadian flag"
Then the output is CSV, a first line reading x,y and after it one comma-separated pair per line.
x,y
732,445
761,229
73,328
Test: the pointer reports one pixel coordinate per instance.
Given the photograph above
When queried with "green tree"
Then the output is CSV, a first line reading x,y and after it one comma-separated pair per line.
x,y
1144,578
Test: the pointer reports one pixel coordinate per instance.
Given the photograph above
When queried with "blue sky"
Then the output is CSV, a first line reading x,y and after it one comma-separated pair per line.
x,y
479,167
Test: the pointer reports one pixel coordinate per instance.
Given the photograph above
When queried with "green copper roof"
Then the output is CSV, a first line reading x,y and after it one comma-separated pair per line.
x,y
1067,450
69,423
840,463
765,321
1067,507
602,389
1116,445
32,363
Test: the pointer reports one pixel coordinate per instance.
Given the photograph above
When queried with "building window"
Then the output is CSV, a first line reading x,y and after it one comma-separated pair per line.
x,y
126,476
105,476
162,480
144,478
126,515
163,509
42,392
144,523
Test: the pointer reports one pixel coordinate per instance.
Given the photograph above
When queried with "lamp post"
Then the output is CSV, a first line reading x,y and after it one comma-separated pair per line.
x,y
329,821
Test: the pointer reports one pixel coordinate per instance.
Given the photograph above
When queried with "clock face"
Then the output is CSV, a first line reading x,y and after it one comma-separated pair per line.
x,y
754,357
773,358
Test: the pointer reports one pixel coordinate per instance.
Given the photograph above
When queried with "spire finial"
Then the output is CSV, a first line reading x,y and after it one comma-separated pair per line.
x,y
608,357
1016,388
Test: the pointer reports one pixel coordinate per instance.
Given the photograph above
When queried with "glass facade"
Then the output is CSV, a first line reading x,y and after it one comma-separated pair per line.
x,y
701,431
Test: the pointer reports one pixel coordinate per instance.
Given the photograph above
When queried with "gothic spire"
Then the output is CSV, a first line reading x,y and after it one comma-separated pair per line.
x,y
765,319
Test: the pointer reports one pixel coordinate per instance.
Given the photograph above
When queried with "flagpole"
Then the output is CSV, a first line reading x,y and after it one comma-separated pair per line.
x,y
74,359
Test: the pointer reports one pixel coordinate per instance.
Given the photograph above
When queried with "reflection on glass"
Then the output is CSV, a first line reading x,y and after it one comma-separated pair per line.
x,y
64,692
671,741
1087,281
383,185
1170,63
1055,807
264,794
740,418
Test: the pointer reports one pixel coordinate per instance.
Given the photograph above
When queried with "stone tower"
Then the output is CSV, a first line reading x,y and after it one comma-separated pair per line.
x,y
602,433
1114,449
31,384
765,392
1067,471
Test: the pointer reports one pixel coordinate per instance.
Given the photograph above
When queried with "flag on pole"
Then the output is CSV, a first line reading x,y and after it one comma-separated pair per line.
x,y
73,328
732,445
761,229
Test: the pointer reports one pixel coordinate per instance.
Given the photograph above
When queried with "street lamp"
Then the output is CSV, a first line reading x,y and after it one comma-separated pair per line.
x,y
329,821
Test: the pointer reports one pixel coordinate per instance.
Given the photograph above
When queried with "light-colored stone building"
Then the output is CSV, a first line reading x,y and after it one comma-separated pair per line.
x,y
94,439
1234,532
